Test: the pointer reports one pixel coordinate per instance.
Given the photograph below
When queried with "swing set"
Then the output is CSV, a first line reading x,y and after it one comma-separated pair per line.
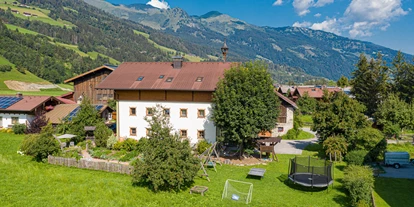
x,y
207,160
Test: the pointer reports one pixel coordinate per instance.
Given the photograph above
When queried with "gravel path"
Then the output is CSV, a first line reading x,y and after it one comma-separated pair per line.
x,y
294,146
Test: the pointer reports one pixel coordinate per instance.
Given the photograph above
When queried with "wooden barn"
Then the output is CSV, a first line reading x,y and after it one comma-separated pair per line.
x,y
84,85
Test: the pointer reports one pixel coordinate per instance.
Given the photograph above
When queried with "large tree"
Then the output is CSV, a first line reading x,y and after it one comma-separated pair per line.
x,y
394,115
342,82
403,74
245,103
370,82
338,115
307,104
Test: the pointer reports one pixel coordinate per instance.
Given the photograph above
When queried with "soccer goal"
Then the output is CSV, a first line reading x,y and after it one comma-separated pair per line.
x,y
238,191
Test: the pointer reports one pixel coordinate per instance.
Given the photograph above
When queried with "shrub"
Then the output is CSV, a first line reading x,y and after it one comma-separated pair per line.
x,y
290,135
129,156
42,145
127,145
359,181
19,128
202,146
35,126
371,140
102,133
111,141
335,146
357,157
5,68
167,163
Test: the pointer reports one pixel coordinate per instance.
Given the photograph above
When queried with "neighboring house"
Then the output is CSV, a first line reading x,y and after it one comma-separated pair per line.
x,y
14,11
285,119
183,89
27,14
23,109
84,85
60,112
312,91
286,90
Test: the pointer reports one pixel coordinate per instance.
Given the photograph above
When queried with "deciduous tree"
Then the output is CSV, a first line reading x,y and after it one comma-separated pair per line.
x,y
245,103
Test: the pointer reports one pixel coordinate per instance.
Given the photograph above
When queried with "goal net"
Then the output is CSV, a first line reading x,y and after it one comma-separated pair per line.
x,y
238,191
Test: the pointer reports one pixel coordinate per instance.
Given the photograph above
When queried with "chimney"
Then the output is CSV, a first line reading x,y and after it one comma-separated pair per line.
x,y
19,95
177,62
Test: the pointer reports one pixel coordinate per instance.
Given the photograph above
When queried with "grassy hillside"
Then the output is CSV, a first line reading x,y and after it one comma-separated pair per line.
x,y
169,50
42,14
21,30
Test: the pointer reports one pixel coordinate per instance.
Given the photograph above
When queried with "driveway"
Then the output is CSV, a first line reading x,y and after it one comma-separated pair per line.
x,y
405,171
294,146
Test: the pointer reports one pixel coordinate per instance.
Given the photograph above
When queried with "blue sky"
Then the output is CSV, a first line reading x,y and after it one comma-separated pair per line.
x,y
388,23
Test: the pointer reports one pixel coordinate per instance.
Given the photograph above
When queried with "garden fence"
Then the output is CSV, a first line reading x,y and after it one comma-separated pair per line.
x,y
92,165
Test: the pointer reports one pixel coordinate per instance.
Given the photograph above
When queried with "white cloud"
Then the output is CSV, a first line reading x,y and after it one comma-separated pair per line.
x,y
303,24
302,6
322,3
278,3
329,25
360,18
161,4
317,15
364,16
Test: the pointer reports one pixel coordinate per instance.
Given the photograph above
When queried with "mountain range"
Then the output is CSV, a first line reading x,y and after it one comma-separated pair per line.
x,y
317,53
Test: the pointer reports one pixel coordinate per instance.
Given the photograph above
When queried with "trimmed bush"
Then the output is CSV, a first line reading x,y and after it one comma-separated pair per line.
x,y
359,181
19,128
102,133
202,146
111,141
357,157
371,140
42,145
127,145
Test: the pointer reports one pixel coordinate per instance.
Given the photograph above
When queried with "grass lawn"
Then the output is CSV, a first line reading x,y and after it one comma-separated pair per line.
x,y
169,50
16,75
393,192
302,135
307,120
28,183
21,30
47,92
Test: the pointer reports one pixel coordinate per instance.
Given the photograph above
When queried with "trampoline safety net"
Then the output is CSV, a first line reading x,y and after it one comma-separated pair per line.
x,y
311,172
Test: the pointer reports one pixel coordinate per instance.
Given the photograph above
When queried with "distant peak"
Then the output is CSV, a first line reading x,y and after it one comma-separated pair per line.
x,y
211,14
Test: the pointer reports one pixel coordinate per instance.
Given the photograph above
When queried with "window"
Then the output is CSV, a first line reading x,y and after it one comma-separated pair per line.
x,y
132,111
15,120
199,79
99,97
201,134
150,111
183,113
140,78
132,131
161,77
1,122
148,132
183,133
169,79
201,113
283,114
280,129
167,112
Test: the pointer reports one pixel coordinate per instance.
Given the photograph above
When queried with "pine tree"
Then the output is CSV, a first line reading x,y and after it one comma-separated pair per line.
x,y
342,82
370,82
403,73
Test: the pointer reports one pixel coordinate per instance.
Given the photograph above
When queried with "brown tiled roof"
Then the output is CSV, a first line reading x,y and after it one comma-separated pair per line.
x,y
126,75
28,103
65,101
315,92
89,72
59,112
286,99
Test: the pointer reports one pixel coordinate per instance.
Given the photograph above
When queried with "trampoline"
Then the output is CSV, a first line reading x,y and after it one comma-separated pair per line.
x,y
311,172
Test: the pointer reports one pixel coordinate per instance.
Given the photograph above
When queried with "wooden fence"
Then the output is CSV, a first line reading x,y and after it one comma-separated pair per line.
x,y
91,165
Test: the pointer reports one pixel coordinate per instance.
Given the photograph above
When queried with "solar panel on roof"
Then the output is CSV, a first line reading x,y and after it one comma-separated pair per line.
x,y
7,101
76,110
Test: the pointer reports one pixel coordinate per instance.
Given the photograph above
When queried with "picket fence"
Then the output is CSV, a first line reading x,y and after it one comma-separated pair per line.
x,y
90,164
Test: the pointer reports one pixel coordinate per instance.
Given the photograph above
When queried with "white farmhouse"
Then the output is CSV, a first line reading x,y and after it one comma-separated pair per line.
x,y
183,89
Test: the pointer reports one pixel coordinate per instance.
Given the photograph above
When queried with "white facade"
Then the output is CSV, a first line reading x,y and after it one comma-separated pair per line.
x,y
282,128
192,123
6,119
